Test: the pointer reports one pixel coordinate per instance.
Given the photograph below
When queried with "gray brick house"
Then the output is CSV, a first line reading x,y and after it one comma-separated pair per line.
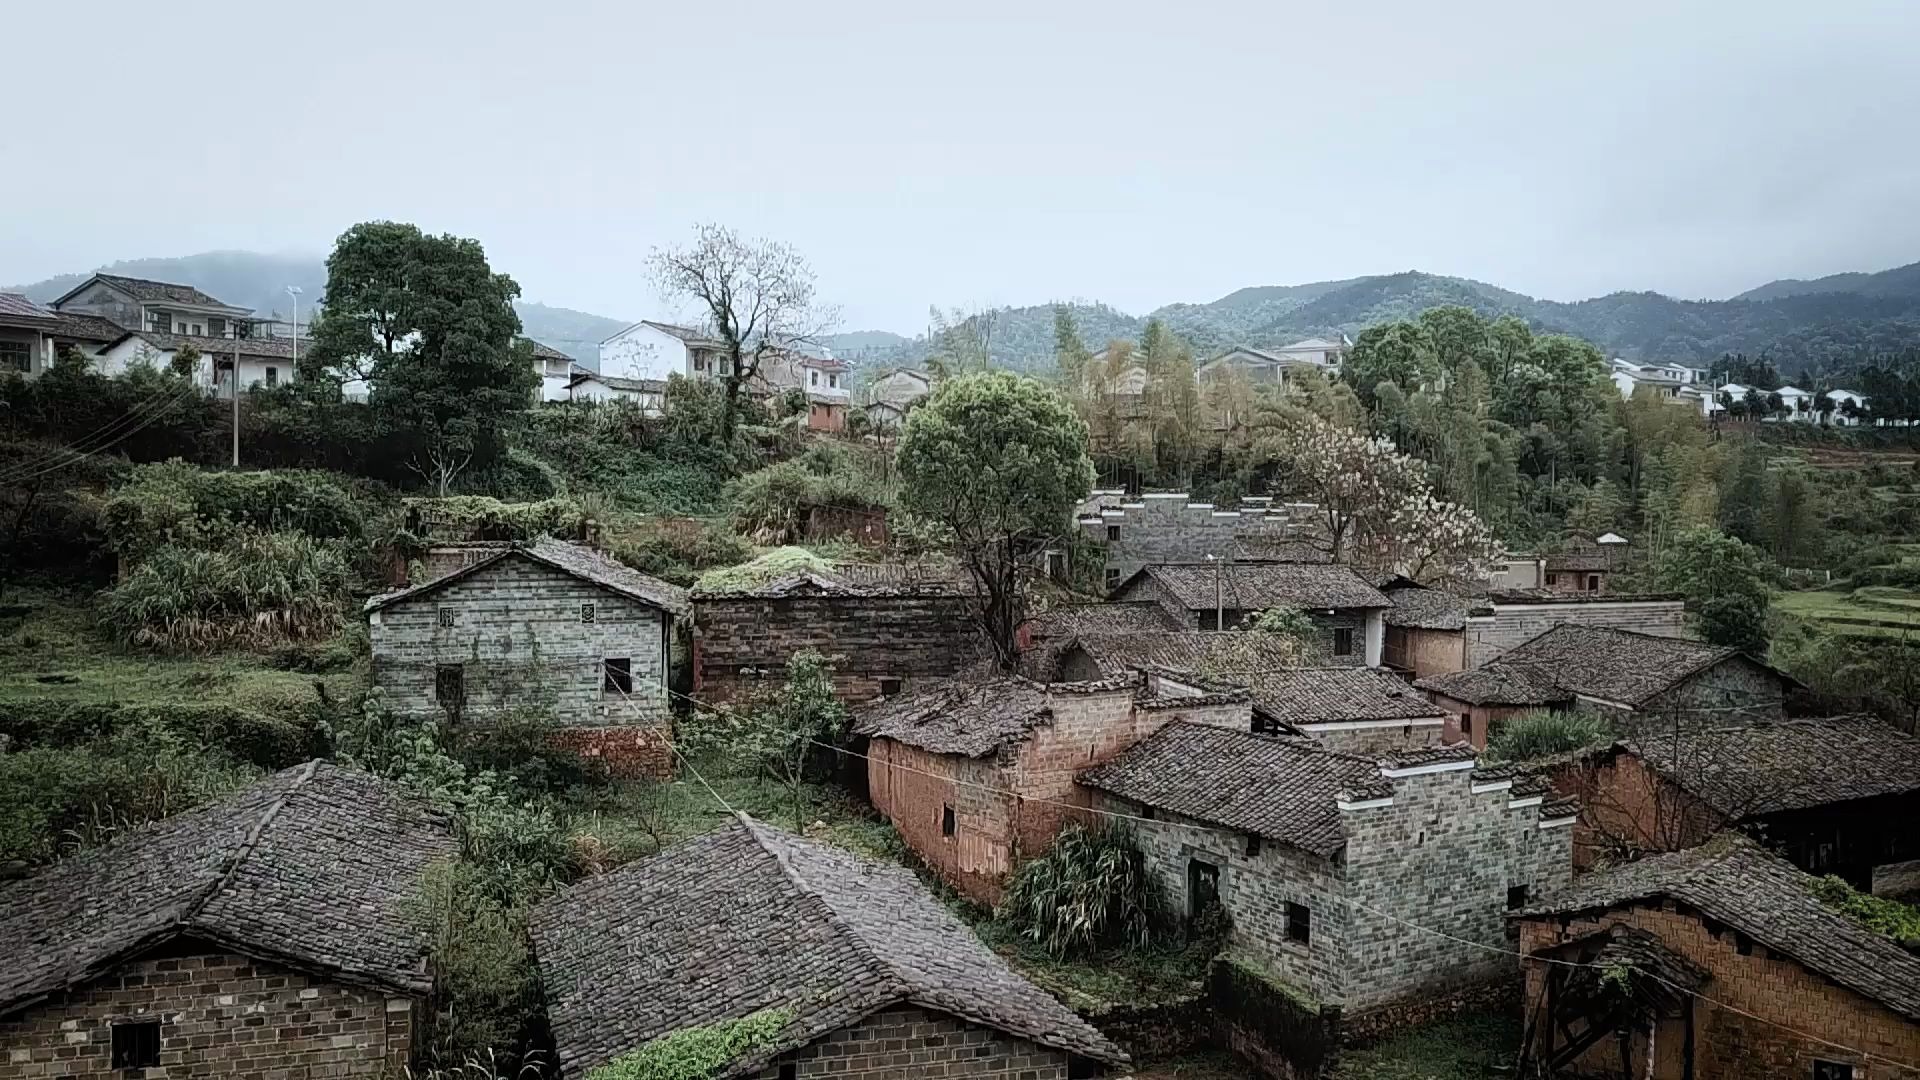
x,y
1320,859
875,979
546,625
269,934
1348,610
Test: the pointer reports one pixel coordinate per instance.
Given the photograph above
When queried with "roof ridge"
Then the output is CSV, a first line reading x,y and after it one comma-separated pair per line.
x,y
252,841
901,985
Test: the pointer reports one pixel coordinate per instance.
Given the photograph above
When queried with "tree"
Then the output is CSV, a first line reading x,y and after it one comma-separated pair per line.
x,y
1727,582
1400,353
426,321
1070,353
757,297
788,734
1000,461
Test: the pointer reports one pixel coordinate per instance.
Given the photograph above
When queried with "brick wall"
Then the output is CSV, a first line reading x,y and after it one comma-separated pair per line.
x,y
1088,729
1488,636
628,752
1380,741
742,645
1737,683
1627,809
907,1043
1167,528
976,859
1425,652
519,633
1729,1046
1471,723
221,1015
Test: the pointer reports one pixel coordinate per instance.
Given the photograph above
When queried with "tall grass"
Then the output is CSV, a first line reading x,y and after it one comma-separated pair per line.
x,y
1535,735
1090,891
264,589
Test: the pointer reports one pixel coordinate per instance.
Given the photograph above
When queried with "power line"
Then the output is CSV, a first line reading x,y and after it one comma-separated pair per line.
x,y
154,408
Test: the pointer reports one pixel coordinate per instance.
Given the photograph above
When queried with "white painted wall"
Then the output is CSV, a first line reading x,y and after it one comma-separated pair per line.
x,y
643,352
595,390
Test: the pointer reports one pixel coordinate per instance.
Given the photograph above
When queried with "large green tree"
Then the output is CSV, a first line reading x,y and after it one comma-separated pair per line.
x,y
428,325
999,461
1727,583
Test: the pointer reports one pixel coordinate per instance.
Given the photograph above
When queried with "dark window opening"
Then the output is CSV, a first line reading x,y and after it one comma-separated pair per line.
x,y
446,617
619,674
1080,1068
1743,945
136,1044
947,822
588,612
1593,582
1831,1070
450,684
273,377
889,687
1343,641
1113,578
1516,897
1466,723
1299,924
1209,620
1113,533
1203,887
1553,579
1253,846
789,1071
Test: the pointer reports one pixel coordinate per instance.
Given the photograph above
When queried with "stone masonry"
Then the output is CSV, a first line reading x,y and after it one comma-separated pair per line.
x,y
904,1043
220,1014
1503,623
1171,528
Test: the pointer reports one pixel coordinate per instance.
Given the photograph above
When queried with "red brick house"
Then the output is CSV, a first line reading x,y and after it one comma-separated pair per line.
x,y
1715,963
977,774
871,976
269,934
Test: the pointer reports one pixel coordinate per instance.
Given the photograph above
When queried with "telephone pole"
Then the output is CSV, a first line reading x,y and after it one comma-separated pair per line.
x,y
236,403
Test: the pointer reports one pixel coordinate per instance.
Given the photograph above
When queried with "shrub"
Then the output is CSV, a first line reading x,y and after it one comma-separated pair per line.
x,y
680,553
270,742
180,504
259,590
486,995
771,504
770,566
1535,735
1090,891
695,1053
1896,920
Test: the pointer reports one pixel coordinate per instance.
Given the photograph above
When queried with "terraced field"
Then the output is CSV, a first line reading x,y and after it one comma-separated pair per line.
x,y
1877,611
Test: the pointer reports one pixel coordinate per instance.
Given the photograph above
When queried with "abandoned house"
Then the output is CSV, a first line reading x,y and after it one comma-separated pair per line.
x,y
883,626
1739,970
1170,527
1426,631
977,773
1105,656
1319,858
1833,796
1504,619
1633,678
269,934
1585,564
864,972
1362,711
1044,638
1222,596
545,625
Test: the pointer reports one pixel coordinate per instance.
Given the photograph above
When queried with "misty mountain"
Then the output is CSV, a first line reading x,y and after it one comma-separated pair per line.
x,y
1898,282
249,279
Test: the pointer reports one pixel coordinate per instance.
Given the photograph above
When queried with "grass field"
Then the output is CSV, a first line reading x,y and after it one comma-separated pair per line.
x,y
1465,1048
1876,611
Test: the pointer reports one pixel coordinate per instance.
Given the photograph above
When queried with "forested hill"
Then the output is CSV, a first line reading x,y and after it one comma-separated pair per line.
x,y
249,279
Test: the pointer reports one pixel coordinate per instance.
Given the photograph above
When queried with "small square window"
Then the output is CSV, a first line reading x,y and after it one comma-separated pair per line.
x,y
450,684
1831,1070
1299,923
588,612
136,1044
889,687
1516,897
446,616
1343,641
1080,1068
1113,578
619,674
790,1071
1253,846
1553,579
1113,533
947,823
273,377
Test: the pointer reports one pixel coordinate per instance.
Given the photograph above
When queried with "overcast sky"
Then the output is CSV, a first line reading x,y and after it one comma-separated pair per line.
x,y
990,153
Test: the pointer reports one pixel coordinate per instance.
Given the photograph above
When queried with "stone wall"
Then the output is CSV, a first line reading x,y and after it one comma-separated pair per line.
x,y
1729,1046
742,644
1170,528
521,635
1732,691
907,1043
220,1015
1488,636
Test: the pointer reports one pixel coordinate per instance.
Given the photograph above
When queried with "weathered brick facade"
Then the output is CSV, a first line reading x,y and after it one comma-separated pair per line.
x,y
1421,653
1781,996
1504,623
906,1043
1171,528
220,1014
742,643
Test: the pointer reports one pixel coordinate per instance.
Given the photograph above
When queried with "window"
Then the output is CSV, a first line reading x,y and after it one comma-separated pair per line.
x,y
588,612
1253,846
1113,533
1079,1068
16,356
947,822
1516,897
445,616
1831,1070
889,687
1113,578
161,321
1210,620
273,377
216,328
1343,641
619,674
196,330
1466,723
833,380
1203,887
1299,924
790,1071
136,1044
450,684
1553,579
1593,582
813,378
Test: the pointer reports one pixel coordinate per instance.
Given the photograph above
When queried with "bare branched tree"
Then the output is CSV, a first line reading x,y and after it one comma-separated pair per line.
x,y
757,296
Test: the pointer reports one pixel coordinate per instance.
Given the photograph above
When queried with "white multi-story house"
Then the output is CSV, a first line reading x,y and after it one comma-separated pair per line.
x,y
137,304
1272,366
1840,398
556,369
655,350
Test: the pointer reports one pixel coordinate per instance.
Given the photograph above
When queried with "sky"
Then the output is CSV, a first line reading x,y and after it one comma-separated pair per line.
x,y
988,153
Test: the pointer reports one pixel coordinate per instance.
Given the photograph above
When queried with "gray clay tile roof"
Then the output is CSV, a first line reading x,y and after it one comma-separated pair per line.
x,y
1116,618
1494,685
1614,665
578,375
316,867
971,717
544,351
1187,650
1258,586
1428,609
1733,881
150,291
580,562
692,335
269,348
84,327
855,579
16,308
1577,561
1304,696
751,918
1281,788
1789,765
1550,596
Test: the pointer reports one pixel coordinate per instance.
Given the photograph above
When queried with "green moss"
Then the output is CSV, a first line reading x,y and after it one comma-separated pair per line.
x,y
1251,968
772,566
1901,922
696,1052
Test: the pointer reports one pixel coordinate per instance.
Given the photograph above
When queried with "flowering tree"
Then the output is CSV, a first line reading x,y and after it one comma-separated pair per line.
x,y
1431,541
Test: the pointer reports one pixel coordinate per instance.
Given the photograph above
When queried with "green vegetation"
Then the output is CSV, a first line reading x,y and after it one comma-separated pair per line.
x,y
789,734
1465,1048
1901,922
1090,892
1727,583
771,504
768,567
259,590
696,1052
1534,736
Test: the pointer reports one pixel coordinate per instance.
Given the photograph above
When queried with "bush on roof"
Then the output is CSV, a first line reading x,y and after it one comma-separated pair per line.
x,y
769,567
1532,736
694,1053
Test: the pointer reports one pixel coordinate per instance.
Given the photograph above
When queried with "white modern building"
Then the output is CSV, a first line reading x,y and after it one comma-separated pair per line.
x,y
655,350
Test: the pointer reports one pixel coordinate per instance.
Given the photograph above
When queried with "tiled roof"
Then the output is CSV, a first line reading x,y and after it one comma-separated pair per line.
x,y
1427,609
1577,561
1118,618
1281,788
1258,586
578,375
1495,685
1188,650
543,351
690,334
971,717
751,918
316,866
17,309
856,579
581,562
1767,768
1614,665
1550,596
1332,695
83,327
270,348
1277,549
155,291
1734,882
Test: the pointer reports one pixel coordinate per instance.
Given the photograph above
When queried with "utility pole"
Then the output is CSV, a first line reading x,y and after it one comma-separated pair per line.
x,y
236,403
294,291
1219,603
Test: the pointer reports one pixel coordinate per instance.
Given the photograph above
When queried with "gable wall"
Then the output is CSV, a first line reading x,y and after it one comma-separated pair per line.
x,y
221,1015
908,1043
1087,730
742,644
643,353
1733,690
109,303
913,787
1513,624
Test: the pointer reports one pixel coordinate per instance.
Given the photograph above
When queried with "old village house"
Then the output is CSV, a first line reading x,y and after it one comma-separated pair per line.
x,y
873,977
1348,610
542,627
269,934
1729,967
1433,632
1320,859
